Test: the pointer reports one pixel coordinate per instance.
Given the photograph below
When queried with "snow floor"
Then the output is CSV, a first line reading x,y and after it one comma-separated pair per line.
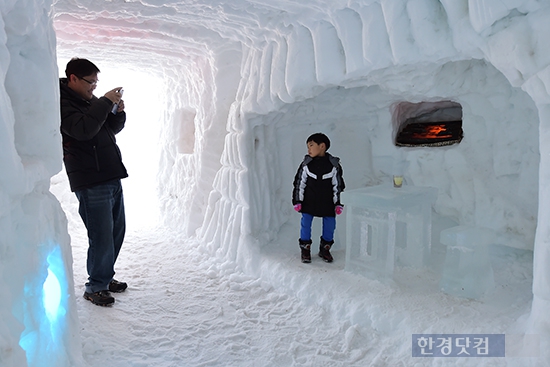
x,y
184,307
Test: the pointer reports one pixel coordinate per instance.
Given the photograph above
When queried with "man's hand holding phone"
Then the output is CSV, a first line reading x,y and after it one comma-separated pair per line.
x,y
120,106
115,95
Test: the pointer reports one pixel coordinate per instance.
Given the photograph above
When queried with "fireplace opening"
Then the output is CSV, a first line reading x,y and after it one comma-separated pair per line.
x,y
427,124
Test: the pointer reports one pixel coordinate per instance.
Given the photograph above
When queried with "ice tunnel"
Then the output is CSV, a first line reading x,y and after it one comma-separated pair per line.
x,y
230,90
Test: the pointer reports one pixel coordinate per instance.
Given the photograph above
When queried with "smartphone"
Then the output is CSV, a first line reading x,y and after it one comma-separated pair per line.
x,y
115,106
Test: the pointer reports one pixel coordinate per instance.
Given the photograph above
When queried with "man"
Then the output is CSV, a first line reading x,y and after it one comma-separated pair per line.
x,y
94,165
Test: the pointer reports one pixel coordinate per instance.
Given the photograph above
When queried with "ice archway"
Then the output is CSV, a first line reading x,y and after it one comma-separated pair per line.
x,y
248,80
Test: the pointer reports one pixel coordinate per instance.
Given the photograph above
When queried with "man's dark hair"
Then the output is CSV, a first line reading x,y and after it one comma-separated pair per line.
x,y
80,68
319,138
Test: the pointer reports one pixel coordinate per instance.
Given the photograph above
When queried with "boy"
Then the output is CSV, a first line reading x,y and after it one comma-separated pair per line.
x,y
317,187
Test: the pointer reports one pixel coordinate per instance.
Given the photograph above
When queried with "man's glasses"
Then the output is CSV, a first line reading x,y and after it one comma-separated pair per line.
x,y
87,81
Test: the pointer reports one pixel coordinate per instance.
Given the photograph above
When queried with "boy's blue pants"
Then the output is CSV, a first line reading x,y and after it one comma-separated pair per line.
x,y
329,225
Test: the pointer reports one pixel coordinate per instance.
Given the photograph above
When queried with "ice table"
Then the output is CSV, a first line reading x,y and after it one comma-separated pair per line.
x,y
387,226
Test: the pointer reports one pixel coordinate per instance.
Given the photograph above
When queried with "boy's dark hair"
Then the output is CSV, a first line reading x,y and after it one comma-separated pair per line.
x,y
319,138
80,68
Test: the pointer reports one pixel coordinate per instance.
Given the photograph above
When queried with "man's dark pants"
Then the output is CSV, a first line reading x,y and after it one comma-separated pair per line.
x,y
102,211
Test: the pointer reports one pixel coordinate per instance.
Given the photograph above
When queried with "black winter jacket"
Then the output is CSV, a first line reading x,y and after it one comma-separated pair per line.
x,y
88,128
318,184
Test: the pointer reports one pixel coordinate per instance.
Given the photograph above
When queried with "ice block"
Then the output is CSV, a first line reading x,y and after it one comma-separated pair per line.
x,y
387,226
467,271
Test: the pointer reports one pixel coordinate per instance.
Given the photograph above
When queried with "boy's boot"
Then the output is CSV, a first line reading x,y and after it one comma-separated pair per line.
x,y
305,246
324,250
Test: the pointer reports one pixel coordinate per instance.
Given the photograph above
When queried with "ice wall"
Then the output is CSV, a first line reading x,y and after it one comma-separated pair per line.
x,y
32,225
411,44
497,188
197,108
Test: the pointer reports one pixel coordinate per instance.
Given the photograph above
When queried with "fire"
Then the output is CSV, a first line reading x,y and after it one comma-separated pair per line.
x,y
432,132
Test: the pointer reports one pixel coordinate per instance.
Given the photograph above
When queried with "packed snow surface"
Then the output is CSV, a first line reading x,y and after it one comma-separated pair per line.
x,y
184,307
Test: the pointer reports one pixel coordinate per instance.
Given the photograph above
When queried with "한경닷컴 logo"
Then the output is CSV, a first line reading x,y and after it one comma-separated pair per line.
x,y
458,345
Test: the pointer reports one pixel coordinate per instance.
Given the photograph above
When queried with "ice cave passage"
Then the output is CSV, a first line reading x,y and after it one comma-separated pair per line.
x,y
224,95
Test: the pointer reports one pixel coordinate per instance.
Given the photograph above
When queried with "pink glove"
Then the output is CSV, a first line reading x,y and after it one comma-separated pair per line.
x,y
298,207
339,209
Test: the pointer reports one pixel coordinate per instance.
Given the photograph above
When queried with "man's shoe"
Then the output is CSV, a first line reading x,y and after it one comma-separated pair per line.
x,y
101,298
117,287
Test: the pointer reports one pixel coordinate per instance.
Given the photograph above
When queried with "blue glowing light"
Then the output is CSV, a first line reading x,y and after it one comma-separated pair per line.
x,y
52,285
52,296
43,316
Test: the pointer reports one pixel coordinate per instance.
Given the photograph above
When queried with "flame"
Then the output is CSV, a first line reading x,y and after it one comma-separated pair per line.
x,y
432,132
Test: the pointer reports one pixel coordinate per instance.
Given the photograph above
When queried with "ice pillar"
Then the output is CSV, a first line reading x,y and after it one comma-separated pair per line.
x,y
541,262
32,224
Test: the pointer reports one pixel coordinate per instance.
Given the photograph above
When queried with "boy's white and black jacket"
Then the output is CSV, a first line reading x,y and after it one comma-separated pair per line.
x,y
318,184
